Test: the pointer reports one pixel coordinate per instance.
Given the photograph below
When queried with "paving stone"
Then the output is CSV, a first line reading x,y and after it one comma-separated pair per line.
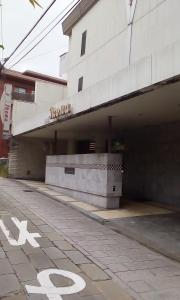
x,y
113,260
25,272
54,236
37,221
40,260
19,297
16,257
116,249
8,284
5,267
2,254
112,290
44,242
77,257
167,271
32,228
28,249
94,297
90,289
37,297
162,283
135,275
6,246
66,264
117,267
148,264
79,297
173,294
140,286
63,245
54,253
61,281
45,228
94,272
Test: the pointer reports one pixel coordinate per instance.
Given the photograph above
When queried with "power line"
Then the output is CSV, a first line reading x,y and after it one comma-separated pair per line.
x,y
45,34
69,5
41,54
29,32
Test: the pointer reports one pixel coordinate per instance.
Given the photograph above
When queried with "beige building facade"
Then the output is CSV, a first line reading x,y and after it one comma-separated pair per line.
x,y
123,89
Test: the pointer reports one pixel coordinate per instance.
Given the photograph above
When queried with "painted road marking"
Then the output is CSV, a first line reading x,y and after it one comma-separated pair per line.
x,y
24,234
50,290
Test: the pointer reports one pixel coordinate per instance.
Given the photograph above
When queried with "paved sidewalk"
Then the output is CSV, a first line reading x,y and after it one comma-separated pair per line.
x,y
20,265
155,226
142,272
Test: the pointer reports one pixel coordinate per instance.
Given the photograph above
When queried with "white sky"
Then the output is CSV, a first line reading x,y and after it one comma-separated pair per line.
x,y
18,18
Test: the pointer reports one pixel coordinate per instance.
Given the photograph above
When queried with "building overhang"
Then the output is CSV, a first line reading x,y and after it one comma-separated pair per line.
x,y
153,105
77,13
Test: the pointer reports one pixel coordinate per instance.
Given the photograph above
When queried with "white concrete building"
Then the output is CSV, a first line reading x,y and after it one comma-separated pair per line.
x,y
123,90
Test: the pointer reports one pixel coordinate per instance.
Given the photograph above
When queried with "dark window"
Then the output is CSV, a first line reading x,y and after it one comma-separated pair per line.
x,y
80,84
83,43
86,146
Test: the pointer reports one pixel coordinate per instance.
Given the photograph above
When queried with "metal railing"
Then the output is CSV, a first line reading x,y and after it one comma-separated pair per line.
x,y
27,97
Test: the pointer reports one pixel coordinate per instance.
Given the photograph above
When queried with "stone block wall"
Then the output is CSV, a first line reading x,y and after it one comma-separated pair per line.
x,y
152,164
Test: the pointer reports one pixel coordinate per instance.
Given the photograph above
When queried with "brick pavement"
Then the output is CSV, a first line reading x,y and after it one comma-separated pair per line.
x,y
144,273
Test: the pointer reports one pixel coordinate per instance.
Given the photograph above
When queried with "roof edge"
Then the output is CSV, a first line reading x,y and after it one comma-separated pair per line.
x,y
78,12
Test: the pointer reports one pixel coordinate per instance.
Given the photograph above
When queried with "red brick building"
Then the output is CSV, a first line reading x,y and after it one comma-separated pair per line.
x,y
16,86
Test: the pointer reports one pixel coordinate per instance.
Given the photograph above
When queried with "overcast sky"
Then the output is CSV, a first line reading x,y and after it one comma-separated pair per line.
x,y
18,18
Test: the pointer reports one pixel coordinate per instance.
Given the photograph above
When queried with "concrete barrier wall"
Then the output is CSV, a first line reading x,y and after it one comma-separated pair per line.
x,y
98,175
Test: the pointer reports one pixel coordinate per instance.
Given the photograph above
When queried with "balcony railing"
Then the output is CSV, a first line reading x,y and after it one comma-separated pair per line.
x,y
27,97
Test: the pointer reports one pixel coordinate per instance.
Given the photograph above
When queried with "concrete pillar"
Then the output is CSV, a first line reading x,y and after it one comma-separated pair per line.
x,y
109,134
71,147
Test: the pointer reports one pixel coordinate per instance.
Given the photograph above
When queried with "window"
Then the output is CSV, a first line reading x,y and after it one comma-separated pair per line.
x,y
20,90
80,84
83,43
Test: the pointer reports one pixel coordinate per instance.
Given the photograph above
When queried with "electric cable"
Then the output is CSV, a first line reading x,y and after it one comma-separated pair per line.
x,y
69,5
45,34
41,54
29,32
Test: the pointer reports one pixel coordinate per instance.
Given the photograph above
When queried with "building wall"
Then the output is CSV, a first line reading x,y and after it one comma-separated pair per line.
x,y
146,57
27,159
4,144
27,116
152,164
106,44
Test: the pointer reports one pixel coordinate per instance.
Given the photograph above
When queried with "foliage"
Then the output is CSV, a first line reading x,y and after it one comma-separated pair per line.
x,y
35,2
3,170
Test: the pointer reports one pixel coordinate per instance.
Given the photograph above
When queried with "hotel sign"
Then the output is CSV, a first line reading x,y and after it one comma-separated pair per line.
x,y
63,110
6,110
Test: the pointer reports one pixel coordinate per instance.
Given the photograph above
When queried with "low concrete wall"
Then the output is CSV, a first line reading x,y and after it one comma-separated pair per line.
x,y
93,178
27,159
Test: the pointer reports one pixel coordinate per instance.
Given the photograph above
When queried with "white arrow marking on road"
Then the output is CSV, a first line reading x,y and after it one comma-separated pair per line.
x,y
50,290
24,234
